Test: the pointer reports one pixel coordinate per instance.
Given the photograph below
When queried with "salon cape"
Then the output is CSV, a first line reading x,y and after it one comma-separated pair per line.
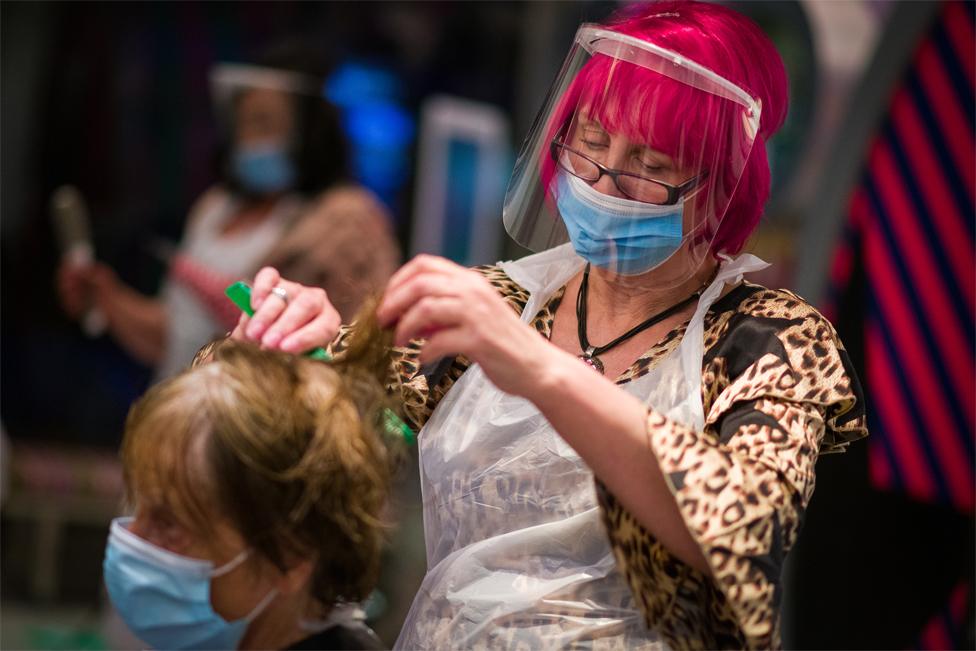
x,y
517,555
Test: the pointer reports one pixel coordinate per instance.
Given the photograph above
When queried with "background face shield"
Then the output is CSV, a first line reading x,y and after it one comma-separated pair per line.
x,y
229,80
633,143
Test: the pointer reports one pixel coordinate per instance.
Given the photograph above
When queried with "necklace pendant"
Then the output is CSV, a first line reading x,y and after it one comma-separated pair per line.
x,y
593,362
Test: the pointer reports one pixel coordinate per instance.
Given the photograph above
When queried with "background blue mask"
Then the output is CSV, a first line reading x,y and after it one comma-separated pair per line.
x,y
264,169
164,598
625,236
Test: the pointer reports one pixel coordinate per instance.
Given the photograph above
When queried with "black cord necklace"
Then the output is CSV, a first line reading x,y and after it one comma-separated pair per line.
x,y
590,353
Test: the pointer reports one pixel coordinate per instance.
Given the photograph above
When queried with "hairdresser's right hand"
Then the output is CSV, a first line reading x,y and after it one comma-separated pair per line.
x,y
306,321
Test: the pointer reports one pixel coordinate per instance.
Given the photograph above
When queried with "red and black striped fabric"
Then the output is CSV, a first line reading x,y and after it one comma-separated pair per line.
x,y
945,629
912,222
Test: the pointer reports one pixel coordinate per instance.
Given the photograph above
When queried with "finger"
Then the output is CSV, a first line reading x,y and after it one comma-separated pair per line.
x,y
75,276
448,342
101,276
263,317
265,280
400,298
67,281
422,263
320,331
428,316
238,332
301,309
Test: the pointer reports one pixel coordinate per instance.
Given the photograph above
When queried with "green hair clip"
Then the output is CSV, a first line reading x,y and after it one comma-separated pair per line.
x,y
240,294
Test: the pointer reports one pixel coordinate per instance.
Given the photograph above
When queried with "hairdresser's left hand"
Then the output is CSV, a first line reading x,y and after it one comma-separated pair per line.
x,y
458,312
306,320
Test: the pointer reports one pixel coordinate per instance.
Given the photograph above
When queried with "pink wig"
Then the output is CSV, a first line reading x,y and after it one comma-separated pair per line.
x,y
651,108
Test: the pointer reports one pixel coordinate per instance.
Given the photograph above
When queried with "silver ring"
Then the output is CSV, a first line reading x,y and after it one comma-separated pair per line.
x,y
280,293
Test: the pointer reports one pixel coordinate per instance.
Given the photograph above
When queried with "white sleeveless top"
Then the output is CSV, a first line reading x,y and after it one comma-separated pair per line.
x,y
191,324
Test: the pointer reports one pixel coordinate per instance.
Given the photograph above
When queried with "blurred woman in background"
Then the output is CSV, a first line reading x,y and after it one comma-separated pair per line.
x,y
283,199
258,483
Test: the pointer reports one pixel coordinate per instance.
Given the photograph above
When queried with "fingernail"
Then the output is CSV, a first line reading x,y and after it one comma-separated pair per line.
x,y
289,347
253,329
271,339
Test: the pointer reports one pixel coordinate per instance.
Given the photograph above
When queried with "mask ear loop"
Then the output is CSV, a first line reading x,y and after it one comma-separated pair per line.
x,y
231,564
264,603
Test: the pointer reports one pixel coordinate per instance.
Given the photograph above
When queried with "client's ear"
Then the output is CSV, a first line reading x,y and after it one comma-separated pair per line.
x,y
295,578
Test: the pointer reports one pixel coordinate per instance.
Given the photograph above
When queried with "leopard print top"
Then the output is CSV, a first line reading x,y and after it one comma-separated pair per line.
x,y
777,389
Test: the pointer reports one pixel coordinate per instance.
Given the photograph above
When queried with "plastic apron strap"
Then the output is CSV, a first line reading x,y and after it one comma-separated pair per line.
x,y
542,274
677,393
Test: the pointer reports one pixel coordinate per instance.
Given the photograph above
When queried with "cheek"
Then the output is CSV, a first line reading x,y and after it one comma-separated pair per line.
x,y
237,593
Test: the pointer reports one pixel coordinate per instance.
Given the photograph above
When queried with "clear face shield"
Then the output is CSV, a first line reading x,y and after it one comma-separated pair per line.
x,y
228,81
255,107
633,158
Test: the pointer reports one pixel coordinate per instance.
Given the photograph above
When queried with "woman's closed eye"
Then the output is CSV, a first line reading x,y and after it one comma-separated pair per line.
x,y
651,168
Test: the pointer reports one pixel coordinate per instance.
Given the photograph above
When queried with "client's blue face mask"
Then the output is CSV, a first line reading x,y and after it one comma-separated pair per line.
x,y
625,236
264,169
164,598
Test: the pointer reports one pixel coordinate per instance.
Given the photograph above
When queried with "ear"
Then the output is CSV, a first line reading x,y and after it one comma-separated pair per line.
x,y
296,578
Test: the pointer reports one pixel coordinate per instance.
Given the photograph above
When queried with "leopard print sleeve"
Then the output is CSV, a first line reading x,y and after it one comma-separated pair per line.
x,y
420,388
778,390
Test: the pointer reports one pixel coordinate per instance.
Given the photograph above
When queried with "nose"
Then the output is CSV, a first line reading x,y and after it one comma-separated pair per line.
x,y
606,185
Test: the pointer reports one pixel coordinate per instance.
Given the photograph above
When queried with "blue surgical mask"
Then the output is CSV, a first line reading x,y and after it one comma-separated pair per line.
x,y
164,598
621,235
264,169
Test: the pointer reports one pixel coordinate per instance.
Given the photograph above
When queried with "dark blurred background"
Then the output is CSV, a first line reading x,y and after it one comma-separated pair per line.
x,y
113,98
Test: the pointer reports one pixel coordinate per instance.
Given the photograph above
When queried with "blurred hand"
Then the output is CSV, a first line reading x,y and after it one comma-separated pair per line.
x,y
73,288
81,287
305,321
458,312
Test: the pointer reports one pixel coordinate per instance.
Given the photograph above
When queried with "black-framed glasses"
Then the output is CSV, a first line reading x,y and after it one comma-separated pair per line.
x,y
632,186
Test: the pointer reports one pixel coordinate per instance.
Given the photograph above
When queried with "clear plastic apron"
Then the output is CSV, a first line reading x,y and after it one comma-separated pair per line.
x,y
517,554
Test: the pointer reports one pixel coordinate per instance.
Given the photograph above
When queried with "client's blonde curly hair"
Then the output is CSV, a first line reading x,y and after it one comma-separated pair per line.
x,y
294,454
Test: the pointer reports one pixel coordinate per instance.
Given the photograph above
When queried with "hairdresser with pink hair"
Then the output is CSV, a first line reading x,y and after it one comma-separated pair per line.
x,y
619,433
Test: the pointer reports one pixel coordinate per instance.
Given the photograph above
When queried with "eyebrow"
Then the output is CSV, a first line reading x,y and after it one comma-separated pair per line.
x,y
587,132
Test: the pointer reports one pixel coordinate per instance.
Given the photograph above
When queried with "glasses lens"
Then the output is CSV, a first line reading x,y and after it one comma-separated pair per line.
x,y
577,165
642,189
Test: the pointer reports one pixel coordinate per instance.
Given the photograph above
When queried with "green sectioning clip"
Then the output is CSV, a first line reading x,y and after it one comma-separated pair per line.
x,y
394,425
240,294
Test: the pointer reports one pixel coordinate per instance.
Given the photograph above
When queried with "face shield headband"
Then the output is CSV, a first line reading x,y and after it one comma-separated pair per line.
x,y
229,79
